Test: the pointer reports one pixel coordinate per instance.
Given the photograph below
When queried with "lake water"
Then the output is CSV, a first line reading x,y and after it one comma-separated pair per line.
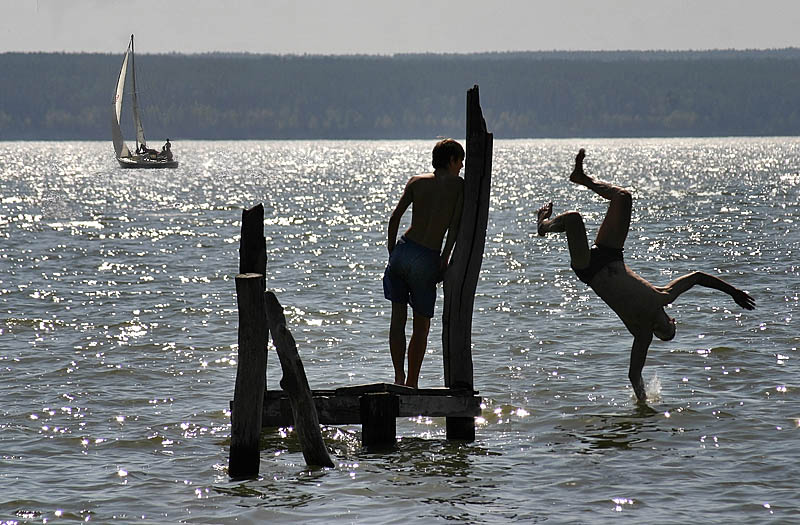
x,y
118,337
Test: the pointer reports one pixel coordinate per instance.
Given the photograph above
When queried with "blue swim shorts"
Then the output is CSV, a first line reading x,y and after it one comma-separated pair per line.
x,y
411,276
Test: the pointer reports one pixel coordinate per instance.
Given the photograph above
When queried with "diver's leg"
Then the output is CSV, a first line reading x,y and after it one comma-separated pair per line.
x,y
571,223
614,230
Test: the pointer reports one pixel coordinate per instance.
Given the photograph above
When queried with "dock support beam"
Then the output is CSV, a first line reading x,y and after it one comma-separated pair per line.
x,y
295,383
379,413
462,276
251,374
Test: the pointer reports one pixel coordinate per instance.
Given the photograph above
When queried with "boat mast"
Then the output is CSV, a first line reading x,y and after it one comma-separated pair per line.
x,y
136,120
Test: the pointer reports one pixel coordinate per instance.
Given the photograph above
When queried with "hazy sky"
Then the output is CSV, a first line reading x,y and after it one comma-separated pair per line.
x,y
396,26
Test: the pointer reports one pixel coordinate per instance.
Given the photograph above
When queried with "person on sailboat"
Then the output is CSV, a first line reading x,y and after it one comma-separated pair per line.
x,y
166,151
151,153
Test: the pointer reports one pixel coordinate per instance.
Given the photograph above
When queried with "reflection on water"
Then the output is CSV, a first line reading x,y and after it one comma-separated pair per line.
x,y
118,337
617,431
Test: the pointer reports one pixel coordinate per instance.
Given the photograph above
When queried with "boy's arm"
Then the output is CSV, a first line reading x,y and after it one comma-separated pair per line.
x,y
394,219
452,229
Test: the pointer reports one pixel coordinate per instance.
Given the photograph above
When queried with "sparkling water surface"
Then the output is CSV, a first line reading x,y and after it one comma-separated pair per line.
x,y
118,337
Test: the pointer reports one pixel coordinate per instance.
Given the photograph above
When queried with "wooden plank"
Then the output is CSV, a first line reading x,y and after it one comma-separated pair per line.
x,y
400,389
330,411
295,383
462,277
251,373
438,406
345,409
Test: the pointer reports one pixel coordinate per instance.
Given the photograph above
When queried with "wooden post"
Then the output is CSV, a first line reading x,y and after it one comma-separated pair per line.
x,y
253,256
251,374
379,419
294,381
252,245
462,277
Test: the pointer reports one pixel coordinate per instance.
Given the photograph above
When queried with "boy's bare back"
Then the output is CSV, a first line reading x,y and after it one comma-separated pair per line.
x,y
436,199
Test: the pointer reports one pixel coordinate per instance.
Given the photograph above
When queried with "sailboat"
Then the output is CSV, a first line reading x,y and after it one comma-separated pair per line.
x,y
143,156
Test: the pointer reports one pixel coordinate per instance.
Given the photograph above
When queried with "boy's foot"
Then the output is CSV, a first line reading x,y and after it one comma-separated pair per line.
x,y
578,175
544,213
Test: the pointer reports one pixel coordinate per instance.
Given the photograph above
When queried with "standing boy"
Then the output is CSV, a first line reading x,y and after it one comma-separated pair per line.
x,y
415,261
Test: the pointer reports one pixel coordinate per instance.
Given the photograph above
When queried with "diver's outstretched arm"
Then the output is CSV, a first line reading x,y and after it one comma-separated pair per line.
x,y
683,284
638,355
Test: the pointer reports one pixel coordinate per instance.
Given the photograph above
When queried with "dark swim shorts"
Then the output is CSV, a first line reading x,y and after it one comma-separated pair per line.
x,y
599,257
411,276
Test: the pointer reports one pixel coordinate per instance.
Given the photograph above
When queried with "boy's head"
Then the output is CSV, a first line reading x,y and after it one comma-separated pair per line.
x,y
444,150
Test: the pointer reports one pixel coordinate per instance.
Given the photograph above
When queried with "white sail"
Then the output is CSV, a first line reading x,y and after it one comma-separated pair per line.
x,y
120,148
137,121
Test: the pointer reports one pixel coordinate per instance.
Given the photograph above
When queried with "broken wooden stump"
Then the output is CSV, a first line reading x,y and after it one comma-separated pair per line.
x,y
251,374
379,411
295,383
252,244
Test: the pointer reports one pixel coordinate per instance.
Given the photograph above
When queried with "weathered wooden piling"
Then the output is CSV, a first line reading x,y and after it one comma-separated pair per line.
x,y
379,411
248,396
252,244
251,370
462,277
295,383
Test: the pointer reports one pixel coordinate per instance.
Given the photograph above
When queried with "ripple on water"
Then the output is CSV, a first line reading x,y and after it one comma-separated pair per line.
x,y
118,337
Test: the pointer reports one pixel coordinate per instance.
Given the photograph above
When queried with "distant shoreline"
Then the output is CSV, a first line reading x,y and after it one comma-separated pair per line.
x,y
223,96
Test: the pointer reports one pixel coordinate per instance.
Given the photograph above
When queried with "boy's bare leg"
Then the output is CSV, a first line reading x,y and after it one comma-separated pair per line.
x,y
571,223
416,348
397,341
617,221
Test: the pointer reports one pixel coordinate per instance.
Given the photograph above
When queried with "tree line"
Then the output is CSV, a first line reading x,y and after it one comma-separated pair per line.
x,y
57,96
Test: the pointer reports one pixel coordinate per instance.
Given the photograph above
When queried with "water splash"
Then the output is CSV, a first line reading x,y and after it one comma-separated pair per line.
x,y
653,388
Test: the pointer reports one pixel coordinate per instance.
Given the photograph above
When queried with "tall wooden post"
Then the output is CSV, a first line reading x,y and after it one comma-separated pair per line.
x,y
248,396
462,277
251,369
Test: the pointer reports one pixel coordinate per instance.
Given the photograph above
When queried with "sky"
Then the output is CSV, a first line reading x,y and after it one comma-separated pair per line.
x,y
383,27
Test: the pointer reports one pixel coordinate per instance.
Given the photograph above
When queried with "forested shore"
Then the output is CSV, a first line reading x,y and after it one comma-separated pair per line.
x,y
52,96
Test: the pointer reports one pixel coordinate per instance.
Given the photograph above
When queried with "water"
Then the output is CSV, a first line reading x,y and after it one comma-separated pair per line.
x,y
118,337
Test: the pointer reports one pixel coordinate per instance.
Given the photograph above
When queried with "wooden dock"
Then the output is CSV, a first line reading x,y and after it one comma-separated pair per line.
x,y
376,406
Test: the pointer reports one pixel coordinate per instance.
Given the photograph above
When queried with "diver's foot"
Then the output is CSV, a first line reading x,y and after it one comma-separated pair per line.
x,y
578,176
544,213
399,380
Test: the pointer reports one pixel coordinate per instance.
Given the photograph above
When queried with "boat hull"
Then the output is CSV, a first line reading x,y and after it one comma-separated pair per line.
x,y
147,164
